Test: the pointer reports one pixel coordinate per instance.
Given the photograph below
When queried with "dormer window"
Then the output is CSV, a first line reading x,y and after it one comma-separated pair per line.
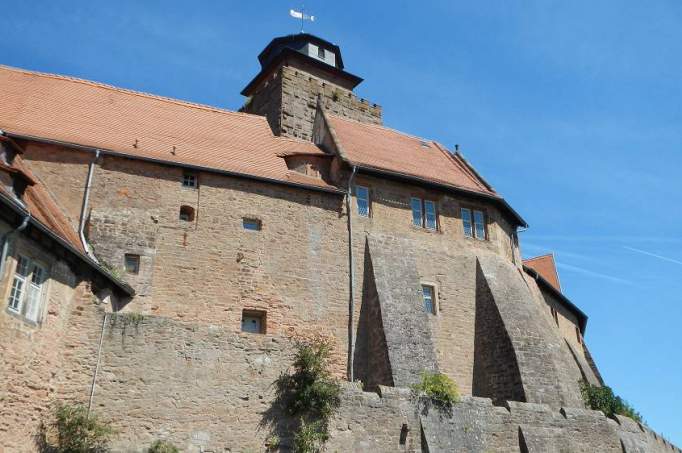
x,y
320,53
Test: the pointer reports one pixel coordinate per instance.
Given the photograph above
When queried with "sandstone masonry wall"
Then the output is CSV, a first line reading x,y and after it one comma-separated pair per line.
x,y
289,100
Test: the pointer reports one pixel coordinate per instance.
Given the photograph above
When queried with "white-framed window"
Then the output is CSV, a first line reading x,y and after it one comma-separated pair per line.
x,y
189,180
429,298
26,295
424,213
466,221
362,200
473,221
320,53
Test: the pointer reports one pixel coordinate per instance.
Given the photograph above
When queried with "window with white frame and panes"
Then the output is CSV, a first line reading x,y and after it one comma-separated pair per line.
x,y
429,299
26,294
473,221
424,213
362,200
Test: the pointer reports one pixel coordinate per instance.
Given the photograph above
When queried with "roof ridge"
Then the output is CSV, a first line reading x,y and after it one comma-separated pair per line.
x,y
550,255
475,178
131,92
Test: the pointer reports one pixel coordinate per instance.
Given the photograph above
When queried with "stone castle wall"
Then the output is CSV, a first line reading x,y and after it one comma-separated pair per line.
x,y
289,100
196,277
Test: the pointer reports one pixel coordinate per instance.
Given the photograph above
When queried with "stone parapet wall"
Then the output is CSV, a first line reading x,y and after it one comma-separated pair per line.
x,y
288,99
395,421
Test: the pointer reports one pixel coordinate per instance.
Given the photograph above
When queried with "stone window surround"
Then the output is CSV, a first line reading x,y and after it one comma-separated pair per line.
x,y
187,213
8,279
133,257
261,314
435,300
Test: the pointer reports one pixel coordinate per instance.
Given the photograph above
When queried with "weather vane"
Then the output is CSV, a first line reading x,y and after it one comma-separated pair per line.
x,y
301,15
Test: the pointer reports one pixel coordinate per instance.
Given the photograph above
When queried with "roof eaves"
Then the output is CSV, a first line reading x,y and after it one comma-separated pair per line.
x,y
582,317
286,53
493,197
127,289
110,152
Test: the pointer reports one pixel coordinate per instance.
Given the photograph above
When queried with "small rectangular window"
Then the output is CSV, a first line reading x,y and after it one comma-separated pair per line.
x,y
579,336
430,220
189,180
27,289
362,200
479,225
555,315
320,53
416,204
428,296
251,224
132,263
466,221
253,321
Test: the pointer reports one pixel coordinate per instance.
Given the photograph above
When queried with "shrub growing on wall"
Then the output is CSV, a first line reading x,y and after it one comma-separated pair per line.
x,y
162,446
310,394
603,399
76,432
439,388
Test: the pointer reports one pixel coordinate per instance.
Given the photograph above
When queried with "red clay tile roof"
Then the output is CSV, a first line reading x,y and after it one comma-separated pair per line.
x,y
374,146
43,207
141,125
546,267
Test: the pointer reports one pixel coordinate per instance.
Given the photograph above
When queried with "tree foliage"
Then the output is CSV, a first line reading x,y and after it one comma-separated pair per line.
x,y
310,394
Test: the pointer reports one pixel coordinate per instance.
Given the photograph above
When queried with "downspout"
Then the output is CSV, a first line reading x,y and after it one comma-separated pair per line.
x,y
84,207
351,264
99,356
7,238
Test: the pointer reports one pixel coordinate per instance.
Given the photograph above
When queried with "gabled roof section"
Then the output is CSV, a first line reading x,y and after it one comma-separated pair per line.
x,y
138,125
546,267
543,270
372,146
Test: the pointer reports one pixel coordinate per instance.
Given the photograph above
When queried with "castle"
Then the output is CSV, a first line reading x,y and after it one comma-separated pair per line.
x,y
232,235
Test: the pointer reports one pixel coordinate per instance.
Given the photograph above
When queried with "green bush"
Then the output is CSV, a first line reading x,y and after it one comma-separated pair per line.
x,y
438,388
310,437
311,394
310,390
162,446
76,432
603,399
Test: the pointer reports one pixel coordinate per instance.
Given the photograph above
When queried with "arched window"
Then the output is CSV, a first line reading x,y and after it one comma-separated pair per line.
x,y
186,213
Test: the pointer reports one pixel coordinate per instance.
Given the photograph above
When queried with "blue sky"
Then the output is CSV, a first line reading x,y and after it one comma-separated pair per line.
x,y
572,110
